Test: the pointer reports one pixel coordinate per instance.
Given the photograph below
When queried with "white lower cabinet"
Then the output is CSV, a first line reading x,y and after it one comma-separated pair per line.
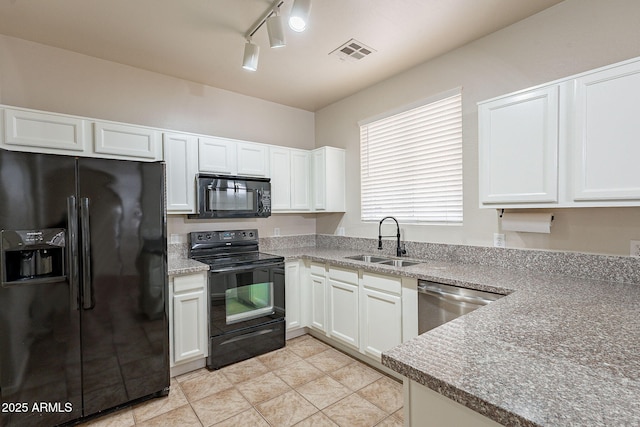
x,y
343,306
380,314
293,295
318,297
359,310
188,318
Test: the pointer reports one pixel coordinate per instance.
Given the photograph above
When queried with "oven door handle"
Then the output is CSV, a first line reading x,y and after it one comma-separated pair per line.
x,y
247,268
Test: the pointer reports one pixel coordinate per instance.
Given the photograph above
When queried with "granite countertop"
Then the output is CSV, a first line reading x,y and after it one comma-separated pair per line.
x,y
179,266
556,351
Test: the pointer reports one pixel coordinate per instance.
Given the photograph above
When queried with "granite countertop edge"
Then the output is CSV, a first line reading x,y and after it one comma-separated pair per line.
x,y
178,266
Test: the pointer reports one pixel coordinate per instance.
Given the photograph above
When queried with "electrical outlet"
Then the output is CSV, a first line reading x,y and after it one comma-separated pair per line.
x,y
634,248
276,232
499,240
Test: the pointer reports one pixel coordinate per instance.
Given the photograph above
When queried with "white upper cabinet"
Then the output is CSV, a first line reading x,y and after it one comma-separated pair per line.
x,y
42,132
329,182
569,143
300,171
290,175
253,159
232,157
280,158
519,149
118,140
607,135
181,157
217,155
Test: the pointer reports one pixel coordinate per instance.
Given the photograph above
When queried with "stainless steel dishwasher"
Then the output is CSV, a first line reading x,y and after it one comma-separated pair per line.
x,y
439,303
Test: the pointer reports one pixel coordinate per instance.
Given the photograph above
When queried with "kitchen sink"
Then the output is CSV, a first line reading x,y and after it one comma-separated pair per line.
x,y
381,260
367,258
399,262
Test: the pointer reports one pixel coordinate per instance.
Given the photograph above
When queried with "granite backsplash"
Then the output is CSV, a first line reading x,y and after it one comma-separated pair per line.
x,y
599,267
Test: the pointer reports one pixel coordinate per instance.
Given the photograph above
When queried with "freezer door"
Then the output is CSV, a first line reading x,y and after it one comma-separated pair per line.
x,y
39,319
123,281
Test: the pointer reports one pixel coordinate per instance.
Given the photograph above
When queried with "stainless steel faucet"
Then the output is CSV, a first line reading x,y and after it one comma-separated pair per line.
x,y
399,250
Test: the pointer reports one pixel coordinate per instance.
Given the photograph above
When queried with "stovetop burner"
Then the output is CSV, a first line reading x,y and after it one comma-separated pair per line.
x,y
227,250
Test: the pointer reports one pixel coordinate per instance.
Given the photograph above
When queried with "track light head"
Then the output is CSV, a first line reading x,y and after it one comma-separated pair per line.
x,y
276,31
299,16
251,53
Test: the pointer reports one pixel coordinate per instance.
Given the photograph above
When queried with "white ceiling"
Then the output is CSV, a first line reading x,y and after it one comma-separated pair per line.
x,y
203,40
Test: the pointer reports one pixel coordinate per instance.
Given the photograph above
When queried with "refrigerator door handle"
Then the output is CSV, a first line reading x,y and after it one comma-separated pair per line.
x,y
72,251
87,289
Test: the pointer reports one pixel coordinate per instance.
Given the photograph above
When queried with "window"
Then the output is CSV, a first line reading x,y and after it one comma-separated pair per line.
x,y
411,163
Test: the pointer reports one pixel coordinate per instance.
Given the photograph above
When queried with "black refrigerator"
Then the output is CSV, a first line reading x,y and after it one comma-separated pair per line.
x,y
83,266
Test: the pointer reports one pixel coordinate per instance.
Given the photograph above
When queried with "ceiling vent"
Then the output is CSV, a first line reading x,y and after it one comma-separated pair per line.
x,y
353,50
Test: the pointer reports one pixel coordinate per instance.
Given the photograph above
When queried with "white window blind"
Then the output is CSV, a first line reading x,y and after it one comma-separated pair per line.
x,y
411,164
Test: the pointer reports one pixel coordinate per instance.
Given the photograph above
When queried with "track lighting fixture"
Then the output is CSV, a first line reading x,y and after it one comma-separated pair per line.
x,y
297,21
299,15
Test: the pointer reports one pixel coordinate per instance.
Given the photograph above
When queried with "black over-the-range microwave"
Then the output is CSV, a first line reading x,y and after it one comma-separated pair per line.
x,y
227,196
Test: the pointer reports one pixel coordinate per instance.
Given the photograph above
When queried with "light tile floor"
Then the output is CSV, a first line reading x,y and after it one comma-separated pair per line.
x,y
307,383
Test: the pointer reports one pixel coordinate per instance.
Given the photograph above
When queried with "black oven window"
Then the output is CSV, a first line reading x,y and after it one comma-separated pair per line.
x,y
249,301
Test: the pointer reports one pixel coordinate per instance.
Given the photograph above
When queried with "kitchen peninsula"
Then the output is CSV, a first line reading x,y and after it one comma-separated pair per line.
x,y
558,350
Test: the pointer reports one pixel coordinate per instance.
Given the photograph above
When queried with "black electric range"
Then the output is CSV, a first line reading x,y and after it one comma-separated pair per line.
x,y
246,295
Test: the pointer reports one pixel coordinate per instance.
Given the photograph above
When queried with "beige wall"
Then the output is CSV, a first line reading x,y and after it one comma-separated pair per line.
x,y
574,36
45,78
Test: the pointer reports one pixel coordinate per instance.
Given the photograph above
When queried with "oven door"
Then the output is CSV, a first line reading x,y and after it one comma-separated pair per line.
x,y
245,297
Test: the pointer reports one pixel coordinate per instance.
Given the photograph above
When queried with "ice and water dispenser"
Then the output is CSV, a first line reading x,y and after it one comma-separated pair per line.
x,y
32,256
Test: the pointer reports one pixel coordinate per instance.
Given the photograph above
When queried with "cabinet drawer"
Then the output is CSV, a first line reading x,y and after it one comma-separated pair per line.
x,y
191,282
317,269
343,275
382,283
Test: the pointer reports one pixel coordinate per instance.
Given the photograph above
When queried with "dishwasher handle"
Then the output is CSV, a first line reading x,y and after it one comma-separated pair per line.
x,y
436,291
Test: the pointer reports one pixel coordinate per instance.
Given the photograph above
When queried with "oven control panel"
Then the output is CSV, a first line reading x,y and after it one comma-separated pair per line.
x,y
224,236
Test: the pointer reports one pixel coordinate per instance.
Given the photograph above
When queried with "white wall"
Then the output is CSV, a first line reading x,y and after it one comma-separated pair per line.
x,y
36,76
571,37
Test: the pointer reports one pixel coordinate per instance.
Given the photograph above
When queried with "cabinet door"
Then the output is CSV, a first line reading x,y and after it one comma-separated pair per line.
x,y
318,303
252,159
217,155
319,180
126,141
300,197
181,157
293,295
518,148
381,317
55,133
280,178
607,134
189,318
343,312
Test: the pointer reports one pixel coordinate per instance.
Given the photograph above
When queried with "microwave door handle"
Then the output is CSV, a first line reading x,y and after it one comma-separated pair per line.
x,y
72,252
87,289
